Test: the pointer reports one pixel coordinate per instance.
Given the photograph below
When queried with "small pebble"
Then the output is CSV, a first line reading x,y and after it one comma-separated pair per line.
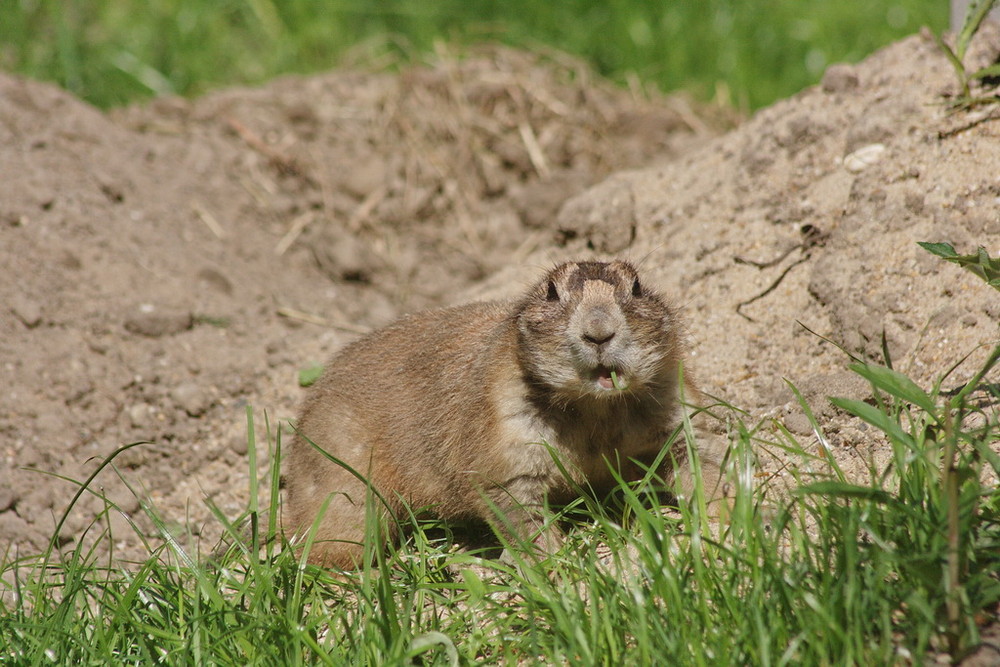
x,y
798,424
7,498
14,528
149,322
26,310
191,398
239,446
140,415
839,78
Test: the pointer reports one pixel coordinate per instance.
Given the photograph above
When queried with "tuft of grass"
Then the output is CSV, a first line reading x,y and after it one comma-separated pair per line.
x,y
745,53
881,570
976,13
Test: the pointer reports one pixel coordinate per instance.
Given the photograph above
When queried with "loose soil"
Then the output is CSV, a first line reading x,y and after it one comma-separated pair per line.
x,y
165,266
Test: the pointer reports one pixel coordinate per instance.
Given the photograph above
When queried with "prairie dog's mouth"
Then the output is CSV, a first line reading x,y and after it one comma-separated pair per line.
x,y
608,378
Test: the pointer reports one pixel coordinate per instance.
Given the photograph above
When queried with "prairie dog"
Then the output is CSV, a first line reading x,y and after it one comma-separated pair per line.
x,y
448,409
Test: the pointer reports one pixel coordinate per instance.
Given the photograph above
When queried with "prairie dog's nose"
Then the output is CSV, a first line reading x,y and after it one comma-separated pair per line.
x,y
599,339
598,317
599,329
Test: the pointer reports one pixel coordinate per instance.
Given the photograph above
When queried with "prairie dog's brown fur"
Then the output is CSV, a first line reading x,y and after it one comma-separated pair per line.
x,y
447,409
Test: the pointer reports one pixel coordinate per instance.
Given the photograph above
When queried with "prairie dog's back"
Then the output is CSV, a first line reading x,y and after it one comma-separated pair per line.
x,y
390,405
420,360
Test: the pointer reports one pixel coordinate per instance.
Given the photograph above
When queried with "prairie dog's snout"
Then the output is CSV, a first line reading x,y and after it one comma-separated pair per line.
x,y
598,317
617,336
599,323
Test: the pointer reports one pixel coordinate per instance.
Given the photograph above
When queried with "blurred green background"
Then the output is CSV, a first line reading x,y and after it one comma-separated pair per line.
x,y
744,53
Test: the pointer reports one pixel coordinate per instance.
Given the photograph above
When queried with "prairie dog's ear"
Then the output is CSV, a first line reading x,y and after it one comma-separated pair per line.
x,y
553,292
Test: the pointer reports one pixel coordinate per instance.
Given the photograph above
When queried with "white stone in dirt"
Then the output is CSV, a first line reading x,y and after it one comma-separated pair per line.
x,y
863,158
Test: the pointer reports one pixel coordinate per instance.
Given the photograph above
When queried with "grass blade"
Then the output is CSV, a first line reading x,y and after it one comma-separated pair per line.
x,y
959,67
974,17
896,384
845,490
980,263
876,418
986,72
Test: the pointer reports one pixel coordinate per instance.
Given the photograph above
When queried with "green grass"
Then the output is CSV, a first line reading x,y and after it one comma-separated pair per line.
x,y
882,571
975,14
743,52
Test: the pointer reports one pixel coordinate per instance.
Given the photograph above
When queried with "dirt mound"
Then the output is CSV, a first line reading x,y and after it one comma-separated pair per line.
x,y
169,264
807,217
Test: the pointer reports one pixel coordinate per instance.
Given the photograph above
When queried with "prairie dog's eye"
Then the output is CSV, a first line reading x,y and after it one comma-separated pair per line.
x,y
636,288
553,293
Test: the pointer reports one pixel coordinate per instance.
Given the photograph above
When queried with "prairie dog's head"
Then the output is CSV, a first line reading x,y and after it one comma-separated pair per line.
x,y
594,329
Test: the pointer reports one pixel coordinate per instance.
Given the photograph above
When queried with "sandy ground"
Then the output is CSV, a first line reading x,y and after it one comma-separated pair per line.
x,y
165,266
